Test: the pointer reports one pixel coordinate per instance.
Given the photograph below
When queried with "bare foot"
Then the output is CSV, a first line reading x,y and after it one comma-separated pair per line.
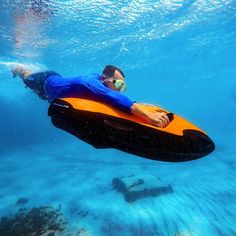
x,y
16,71
21,71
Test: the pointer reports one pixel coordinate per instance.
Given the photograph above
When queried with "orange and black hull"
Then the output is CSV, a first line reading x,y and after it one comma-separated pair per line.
x,y
105,127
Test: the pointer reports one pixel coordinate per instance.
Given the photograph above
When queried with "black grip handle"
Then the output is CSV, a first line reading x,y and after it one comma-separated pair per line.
x,y
170,116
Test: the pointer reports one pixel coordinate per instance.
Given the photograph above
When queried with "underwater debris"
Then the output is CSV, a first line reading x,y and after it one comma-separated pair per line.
x,y
135,187
82,232
21,201
83,213
35,221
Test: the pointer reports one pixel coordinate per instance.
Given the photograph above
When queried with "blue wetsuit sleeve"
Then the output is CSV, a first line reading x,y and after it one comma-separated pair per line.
x,y
113,98
88,87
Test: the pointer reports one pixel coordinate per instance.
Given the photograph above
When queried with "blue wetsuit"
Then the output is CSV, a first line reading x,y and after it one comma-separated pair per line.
x,y
88,87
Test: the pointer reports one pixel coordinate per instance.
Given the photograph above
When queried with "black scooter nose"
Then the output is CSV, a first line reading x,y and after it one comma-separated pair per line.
x,y
200,142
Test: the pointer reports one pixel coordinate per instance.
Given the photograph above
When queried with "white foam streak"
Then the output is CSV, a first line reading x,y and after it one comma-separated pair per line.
x,y
34,67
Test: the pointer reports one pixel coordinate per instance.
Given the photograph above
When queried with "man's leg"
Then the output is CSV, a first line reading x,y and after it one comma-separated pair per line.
x,y
34,81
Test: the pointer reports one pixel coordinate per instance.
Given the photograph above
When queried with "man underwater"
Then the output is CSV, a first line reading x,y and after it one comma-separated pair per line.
x,y
106,88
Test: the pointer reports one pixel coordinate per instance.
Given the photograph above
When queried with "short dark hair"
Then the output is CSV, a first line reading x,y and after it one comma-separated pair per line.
x,y
109,71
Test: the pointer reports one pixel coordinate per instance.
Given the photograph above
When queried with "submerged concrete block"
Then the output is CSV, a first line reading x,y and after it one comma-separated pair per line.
x,y
135,187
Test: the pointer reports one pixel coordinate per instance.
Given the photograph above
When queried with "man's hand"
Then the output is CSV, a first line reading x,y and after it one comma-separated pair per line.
x,y
159,119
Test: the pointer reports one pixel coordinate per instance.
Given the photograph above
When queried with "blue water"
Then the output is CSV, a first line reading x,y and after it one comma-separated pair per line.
x,y
180,55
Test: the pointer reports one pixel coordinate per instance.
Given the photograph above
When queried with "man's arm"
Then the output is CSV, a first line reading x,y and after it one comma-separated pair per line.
x,y
120,101
159,119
